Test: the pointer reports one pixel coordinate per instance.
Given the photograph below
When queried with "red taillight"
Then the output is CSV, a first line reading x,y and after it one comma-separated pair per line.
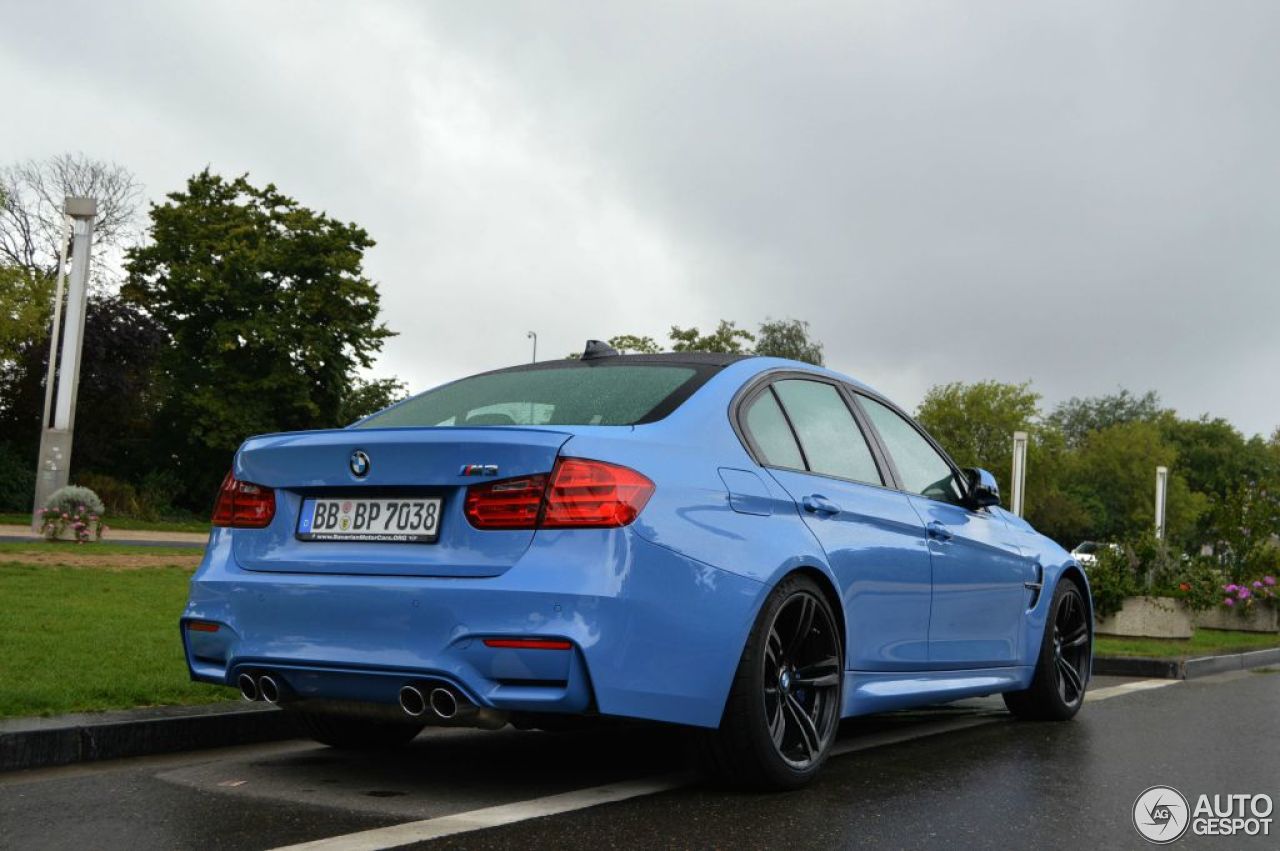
x,y
202,626
509,504
243,505
594,494
528,643
578,494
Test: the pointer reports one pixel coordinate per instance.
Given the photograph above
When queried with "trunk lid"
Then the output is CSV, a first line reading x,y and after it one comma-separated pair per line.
x,y
402,463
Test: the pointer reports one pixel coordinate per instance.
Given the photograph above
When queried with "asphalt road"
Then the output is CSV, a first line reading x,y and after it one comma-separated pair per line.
x,y
963,776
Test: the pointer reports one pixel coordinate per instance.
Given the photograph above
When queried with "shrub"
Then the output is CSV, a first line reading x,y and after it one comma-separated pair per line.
x,y
1111,579
76,508
119,498
17,480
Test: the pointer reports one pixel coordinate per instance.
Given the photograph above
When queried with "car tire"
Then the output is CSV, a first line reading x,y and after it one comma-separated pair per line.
x,y
351,733
783,678
1061,678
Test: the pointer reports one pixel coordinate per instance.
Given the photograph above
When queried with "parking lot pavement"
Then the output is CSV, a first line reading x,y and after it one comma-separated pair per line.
x,y
958,776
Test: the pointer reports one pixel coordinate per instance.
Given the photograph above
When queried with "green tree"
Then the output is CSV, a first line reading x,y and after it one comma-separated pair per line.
x,y
788,338
632,344
1114,472
365,397
267,313
975,422
26,297
726,339
1076,418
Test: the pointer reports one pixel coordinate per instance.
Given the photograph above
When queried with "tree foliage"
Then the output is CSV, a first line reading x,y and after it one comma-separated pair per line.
x,y
1076,418
780,338
32,195
976,422
788,338
727,338
266,312
631,344
26,296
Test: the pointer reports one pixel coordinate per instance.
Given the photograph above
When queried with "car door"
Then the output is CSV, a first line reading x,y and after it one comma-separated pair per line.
x,y
979,596
804,431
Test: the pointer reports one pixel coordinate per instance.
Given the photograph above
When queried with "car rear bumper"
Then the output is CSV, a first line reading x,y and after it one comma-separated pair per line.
x,y
653,634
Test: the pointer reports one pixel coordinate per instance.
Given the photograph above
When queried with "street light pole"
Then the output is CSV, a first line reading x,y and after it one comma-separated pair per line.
x,y
1018,481
53,466
1162,494
533,335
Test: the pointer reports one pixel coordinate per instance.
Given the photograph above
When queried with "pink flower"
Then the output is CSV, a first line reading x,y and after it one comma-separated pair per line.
x,y
1257,584
1244,593
1229,588
1268,580
1228,602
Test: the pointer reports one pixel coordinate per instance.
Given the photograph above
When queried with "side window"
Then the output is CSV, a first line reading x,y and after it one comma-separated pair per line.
x,y
832,442
770,433
920,467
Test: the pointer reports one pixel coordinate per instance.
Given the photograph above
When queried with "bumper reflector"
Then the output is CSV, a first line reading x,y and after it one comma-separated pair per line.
x,y
528,643
202,626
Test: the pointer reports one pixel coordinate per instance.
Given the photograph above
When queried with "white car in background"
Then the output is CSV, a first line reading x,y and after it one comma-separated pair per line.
x,y
1086,552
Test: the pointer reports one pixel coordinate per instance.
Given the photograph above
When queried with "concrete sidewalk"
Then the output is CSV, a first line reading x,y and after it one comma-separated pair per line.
x,y
118,536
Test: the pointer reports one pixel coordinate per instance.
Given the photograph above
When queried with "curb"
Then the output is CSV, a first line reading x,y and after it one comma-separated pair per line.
x,y
27,539
66,739
1183,669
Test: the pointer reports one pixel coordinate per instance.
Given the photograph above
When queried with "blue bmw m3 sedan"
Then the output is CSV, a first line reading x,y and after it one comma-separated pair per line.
x,y
748,546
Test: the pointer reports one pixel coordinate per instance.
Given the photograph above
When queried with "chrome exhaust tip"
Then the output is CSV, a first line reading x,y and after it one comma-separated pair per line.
x,y
248,688
269,689
443,703
412,701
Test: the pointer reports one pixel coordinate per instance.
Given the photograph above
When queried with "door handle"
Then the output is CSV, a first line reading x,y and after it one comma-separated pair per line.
x,y
818,504
938,531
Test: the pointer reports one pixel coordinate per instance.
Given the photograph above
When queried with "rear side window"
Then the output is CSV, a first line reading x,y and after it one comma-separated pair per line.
x,y
561,395
922,469
832,442
770,433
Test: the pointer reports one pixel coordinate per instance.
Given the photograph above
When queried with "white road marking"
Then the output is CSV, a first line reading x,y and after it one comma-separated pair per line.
x,y
419,831
1126,688
409,833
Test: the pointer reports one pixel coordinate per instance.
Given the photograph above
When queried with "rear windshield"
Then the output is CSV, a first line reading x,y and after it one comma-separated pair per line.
x,y
569,395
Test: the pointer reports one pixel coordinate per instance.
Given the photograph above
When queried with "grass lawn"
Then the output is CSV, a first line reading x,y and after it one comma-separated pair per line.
x,y
126,523
89,637
1205,642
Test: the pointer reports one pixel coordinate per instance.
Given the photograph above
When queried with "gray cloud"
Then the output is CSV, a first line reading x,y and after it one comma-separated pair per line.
x,y
1082,195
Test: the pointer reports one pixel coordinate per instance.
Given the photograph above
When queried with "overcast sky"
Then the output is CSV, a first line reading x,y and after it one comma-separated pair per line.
x,y
1085,195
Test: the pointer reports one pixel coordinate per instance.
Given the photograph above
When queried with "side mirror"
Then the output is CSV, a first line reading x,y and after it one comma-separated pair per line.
x,y
983,490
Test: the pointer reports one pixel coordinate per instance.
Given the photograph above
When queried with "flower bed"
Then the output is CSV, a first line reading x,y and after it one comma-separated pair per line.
x,y
72,514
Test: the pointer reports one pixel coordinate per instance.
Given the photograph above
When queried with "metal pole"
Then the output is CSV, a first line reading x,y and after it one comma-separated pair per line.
x,y
1162,492
54,463
82,212
533,335
1019,477
55,331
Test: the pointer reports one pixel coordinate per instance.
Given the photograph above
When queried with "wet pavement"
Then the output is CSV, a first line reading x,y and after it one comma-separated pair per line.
x,y
960,776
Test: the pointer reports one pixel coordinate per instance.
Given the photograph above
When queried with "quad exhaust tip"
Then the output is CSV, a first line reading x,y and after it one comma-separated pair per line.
x,y
412,701
443,703
268,689
248,688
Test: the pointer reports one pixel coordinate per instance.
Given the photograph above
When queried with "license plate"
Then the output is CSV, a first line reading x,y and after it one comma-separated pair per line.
x,y
406,521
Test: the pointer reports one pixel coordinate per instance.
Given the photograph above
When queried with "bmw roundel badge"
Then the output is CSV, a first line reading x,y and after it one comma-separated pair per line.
x,y
359,464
